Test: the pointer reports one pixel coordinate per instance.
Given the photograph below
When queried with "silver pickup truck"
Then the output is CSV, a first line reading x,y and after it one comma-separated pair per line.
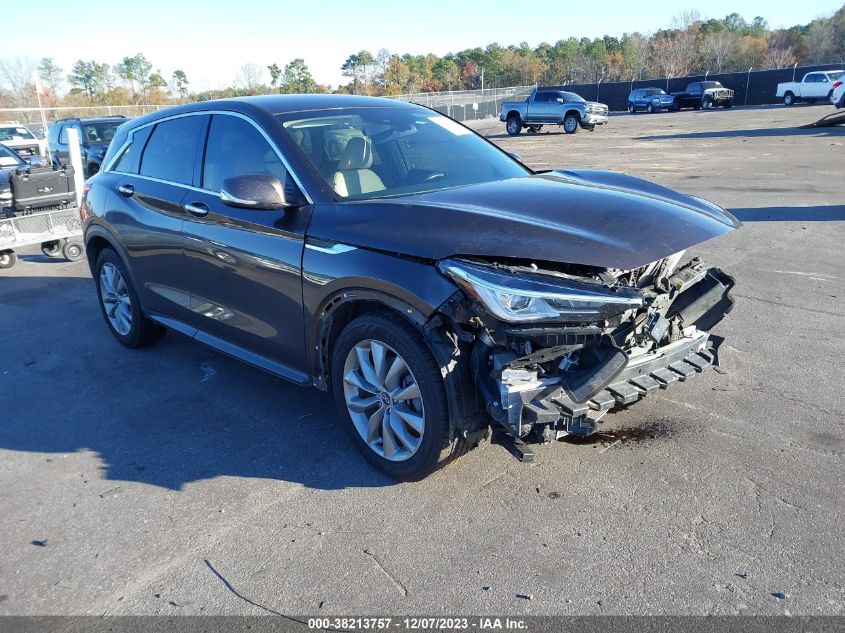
x,y
552,107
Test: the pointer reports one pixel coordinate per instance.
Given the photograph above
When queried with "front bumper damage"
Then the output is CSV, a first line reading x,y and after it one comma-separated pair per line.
x,y
530,401
544,381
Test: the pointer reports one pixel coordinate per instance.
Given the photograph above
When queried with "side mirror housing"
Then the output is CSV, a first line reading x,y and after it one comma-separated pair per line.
x,y
254,191
560,100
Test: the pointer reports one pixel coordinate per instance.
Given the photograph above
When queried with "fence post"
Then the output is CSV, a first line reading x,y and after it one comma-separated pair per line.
x,y
793,71
75,151
747,85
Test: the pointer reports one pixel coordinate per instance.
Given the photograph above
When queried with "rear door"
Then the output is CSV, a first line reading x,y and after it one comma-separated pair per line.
x,y
245,265
152,177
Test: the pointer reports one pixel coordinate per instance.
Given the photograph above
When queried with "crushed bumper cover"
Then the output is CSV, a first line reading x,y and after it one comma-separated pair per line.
x,y
529,400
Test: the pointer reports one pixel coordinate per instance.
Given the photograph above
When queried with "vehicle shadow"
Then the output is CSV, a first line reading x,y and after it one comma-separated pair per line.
x,y
165,416
838,131
831,213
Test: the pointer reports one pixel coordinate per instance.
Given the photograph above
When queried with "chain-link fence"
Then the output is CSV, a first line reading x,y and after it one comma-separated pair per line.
x,y
31,117
465,105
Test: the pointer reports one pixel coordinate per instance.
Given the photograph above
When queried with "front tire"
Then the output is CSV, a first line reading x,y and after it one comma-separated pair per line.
x,y
513,125
120,305
73,251
571,122
390,392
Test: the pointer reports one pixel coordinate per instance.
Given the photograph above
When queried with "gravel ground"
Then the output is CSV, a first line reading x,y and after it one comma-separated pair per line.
x,y
127,478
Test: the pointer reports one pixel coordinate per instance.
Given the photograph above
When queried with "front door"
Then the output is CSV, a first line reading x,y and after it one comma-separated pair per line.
x,y
245,265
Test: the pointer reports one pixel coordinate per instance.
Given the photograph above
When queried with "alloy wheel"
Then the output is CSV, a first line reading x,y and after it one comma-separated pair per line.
x,y
115,297
384,400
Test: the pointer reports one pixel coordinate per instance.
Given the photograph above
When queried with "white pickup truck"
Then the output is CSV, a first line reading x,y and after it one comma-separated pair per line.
x,y
814,86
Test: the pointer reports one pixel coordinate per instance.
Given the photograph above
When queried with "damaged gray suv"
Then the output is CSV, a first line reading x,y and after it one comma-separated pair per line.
x,y
385,253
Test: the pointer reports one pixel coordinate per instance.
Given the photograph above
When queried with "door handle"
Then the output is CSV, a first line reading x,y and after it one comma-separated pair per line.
x,y
197,209
126,190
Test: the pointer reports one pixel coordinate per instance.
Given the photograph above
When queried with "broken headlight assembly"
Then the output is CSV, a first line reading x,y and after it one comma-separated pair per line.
x,y
525,297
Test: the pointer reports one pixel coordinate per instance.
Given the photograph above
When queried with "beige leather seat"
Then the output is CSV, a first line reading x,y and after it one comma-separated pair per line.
x,y
354,176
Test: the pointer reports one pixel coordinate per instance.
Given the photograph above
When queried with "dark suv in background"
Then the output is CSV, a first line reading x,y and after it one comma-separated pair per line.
x,y
386,253
94,135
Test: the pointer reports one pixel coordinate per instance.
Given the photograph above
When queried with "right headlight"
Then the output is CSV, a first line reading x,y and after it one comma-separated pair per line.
x,y
519,298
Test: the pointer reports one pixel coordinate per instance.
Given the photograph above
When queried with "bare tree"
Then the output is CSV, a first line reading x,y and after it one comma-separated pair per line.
x,y
16,77
821,41
249,77
779,53
719,47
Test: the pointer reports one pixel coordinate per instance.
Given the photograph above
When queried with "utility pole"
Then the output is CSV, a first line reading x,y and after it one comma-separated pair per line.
x,y
482,81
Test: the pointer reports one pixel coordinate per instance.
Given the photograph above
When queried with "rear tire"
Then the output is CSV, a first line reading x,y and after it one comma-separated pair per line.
x,y
52,249
650,108
433,446
8,258
513,125
789,99
141,331
631,108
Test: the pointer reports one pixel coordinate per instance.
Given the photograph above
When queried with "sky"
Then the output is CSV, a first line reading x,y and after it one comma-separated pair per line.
x,y
212,40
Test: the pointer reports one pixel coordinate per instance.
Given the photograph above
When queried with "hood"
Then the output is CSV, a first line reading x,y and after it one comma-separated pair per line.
x,y
593,218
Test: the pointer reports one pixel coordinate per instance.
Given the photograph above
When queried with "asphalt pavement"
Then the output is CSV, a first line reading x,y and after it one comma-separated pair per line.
x,y
134,482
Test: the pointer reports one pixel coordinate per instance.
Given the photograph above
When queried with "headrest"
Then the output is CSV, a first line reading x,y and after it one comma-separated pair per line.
x,y
358,154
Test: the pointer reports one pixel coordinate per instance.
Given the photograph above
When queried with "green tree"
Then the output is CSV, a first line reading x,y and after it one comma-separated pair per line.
x,y
136,72
296,78
179,83
51,74
90,78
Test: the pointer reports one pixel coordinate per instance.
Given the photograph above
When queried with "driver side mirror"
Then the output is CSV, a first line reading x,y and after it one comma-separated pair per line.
x,y
560,100
254,191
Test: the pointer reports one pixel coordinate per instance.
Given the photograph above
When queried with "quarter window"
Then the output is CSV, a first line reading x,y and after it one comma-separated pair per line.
x,y
130,160
236,148
171,150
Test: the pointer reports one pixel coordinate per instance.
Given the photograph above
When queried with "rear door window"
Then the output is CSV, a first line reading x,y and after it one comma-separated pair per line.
x,y
170,154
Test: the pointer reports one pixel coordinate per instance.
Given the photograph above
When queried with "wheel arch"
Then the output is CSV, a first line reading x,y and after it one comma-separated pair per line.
x,y
467,418
513,113
97,238
339,309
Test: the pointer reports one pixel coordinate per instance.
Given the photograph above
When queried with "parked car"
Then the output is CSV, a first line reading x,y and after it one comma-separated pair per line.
x,y
704,95
812,87
94,135
552,107
650,100
387,254
837,98
17,137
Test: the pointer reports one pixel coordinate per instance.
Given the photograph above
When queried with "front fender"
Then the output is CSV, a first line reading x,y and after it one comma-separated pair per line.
x,y
333,277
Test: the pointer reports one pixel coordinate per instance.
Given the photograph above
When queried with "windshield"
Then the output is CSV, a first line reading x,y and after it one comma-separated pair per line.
x,y
650,92
571,96
835,75
14,134
100,133
711,84
8,158
364,153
